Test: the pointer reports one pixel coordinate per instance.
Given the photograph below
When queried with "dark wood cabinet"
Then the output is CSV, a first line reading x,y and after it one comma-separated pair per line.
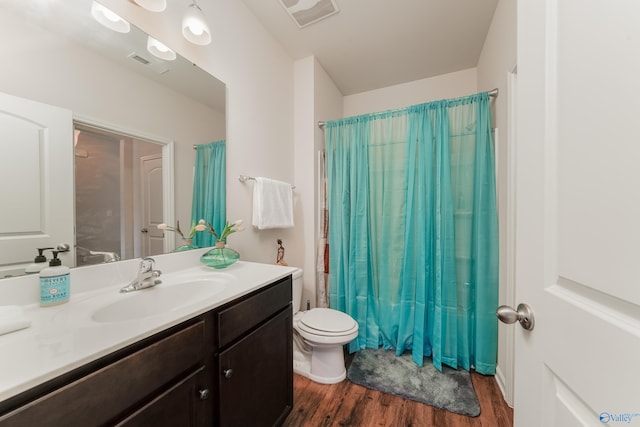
x,y
254,359
255,376
228,367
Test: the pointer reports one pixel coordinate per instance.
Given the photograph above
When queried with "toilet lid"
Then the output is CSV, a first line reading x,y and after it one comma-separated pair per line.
x,y
328,320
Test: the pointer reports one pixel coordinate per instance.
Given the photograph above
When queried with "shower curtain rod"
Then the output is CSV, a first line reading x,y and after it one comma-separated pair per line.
x,y
493,93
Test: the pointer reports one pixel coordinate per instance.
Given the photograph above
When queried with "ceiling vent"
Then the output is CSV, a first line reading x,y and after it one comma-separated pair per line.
x,y
149,63
139,58
307,12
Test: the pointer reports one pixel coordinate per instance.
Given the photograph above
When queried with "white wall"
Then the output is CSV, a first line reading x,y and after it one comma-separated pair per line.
x,y
452,85
316,99
497,61
328,105
303,131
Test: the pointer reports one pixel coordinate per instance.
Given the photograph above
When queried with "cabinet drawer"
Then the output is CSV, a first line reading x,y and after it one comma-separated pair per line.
x,y
245,315
97,398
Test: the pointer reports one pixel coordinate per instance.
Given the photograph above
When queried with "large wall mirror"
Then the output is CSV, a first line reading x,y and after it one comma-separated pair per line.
x,y
130,121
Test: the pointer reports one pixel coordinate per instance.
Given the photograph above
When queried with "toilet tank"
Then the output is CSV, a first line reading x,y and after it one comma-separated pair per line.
x,y
297,290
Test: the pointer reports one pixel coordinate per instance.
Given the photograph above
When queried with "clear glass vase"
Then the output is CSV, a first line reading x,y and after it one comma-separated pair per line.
x,y
220,256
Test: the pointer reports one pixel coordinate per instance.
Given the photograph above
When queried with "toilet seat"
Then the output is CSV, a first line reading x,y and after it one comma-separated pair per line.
x,y
327,322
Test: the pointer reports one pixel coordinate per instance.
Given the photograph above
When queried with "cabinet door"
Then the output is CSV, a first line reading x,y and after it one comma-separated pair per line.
x,y
185,404
256,376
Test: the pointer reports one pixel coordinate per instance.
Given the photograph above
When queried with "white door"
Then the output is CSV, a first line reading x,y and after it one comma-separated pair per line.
x,y
36,152
578,213
152,203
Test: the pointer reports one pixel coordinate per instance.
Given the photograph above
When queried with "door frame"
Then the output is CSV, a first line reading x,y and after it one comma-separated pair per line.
x,y
168,203
505,372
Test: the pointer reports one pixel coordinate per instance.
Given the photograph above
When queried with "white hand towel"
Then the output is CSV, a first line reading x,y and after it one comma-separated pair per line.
x,y
272,204
12,318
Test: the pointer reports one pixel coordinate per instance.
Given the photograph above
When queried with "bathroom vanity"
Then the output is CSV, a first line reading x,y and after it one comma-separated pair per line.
x,y
227,363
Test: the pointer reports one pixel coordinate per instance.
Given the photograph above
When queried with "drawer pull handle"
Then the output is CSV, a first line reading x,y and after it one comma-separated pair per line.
x,y
203,394
228,373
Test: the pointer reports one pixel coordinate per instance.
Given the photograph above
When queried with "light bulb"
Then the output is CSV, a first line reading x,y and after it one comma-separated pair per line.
x,y
152,5
194,26
109,19
160,50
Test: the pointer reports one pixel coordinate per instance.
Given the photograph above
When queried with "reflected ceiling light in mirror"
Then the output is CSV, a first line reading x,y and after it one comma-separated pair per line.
x,y
109,19
159,50
152,5
194,26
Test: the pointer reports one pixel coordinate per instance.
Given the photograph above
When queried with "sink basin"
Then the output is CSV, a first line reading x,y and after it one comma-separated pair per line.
x,y
158,299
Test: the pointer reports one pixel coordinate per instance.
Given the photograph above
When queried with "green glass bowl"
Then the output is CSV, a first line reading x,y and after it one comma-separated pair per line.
x,y
219,257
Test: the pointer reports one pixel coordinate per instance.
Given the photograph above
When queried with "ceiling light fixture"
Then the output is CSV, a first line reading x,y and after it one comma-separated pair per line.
x,y
307,12
160,50
194,26
152,5
109,19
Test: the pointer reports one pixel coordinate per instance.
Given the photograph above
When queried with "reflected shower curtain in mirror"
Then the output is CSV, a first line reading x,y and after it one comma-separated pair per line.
x,y
210,190
414,231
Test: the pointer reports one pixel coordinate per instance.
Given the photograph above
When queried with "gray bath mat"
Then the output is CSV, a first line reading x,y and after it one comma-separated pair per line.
x,y
382,370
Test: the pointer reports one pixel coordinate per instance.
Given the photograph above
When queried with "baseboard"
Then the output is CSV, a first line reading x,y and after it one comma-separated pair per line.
x,y
501,381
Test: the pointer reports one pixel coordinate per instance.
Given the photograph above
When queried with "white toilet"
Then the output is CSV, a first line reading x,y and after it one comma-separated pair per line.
x,y
318,337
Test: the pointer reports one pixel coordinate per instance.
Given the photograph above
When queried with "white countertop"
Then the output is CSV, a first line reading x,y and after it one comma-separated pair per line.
x,y
64,337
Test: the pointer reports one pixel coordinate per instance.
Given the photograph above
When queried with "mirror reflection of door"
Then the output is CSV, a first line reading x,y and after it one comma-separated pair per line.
x,y
112,208
37,205
152,238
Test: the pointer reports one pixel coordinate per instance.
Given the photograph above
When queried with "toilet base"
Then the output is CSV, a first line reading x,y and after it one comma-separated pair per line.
x,y
324,365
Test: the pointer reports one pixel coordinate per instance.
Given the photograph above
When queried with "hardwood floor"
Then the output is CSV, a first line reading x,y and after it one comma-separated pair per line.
x,y
348,404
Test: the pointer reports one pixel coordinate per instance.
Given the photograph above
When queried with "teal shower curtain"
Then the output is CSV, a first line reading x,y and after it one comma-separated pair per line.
x,y
210,190
413,230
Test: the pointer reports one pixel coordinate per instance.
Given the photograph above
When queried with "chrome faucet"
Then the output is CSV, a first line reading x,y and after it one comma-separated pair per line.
x,y
147,277
107,256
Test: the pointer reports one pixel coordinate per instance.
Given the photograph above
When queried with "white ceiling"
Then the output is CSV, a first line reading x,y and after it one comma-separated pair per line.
x,y
372,44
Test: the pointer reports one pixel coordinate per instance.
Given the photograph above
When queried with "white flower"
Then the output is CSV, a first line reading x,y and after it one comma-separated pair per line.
x,y
201,226
229,228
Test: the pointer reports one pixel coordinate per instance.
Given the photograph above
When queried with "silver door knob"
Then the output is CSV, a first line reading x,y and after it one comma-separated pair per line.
x,y
228,373
523,314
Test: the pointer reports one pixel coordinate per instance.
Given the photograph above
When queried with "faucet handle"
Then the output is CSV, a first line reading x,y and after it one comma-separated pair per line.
x,y
146,264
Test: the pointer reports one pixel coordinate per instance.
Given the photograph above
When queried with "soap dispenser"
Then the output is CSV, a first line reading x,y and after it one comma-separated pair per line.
x,y
38,264
54,283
